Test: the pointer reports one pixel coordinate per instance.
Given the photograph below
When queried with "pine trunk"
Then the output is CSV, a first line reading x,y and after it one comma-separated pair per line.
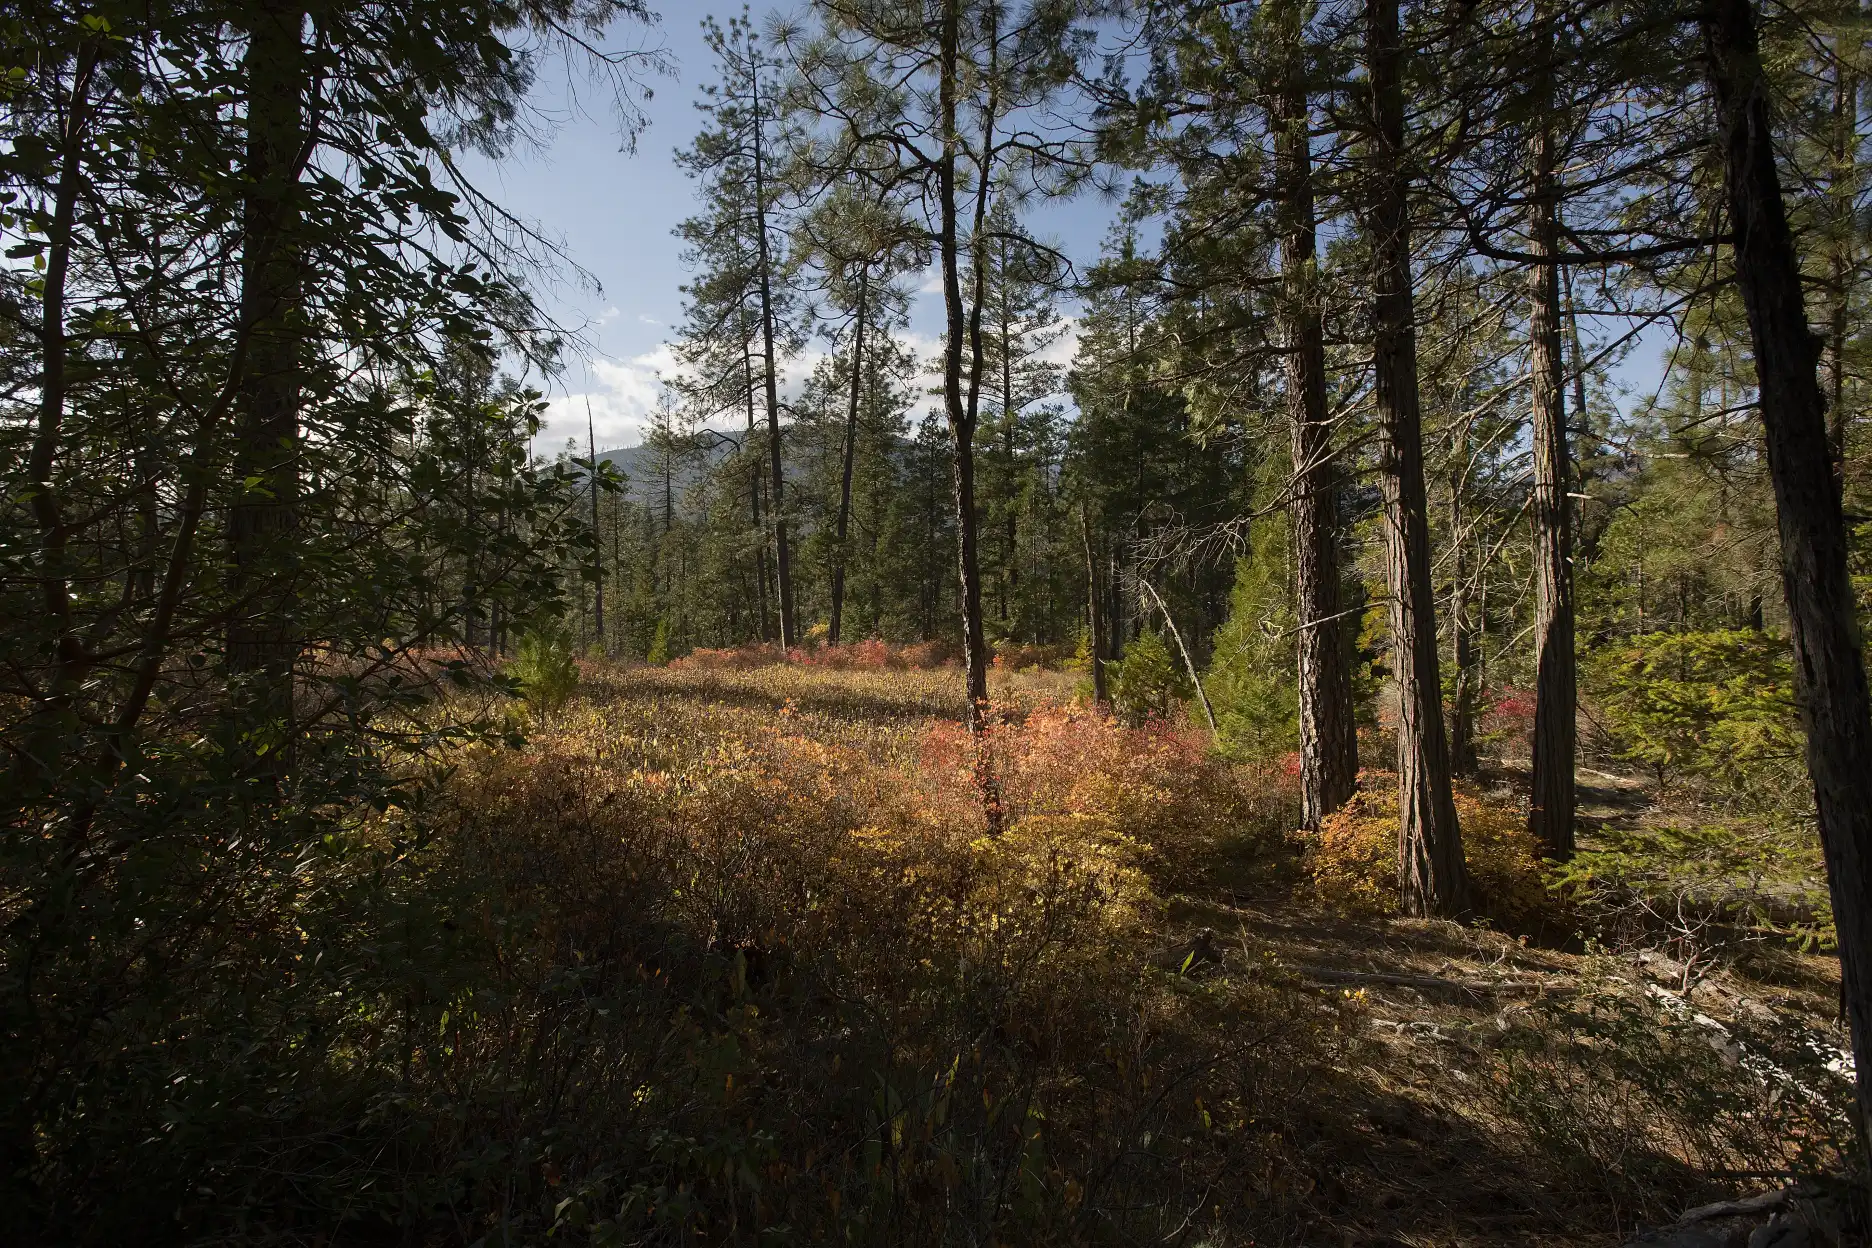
x,y
1462,644
1328,732
1556,695
591,446
961,419
776,483
1830,678
1095,614
845,467
1843,184
754,496
964,330
1431,873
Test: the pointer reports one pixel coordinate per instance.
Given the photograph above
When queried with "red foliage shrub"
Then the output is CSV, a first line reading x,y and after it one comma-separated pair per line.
x,y
1509,719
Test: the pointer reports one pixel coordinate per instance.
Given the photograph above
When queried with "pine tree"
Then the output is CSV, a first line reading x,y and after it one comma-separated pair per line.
x,y
738,316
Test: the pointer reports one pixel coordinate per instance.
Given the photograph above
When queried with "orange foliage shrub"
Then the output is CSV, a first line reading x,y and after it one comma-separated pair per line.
x,y
1352,863
1150,793
1016,656
734,659
764,940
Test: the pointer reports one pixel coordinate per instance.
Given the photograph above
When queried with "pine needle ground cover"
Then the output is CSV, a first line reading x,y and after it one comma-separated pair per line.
x,y
726,956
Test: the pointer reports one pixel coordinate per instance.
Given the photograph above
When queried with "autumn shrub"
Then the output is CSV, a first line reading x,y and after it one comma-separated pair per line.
x,y
1351,864
1016,656
1152,792
1506,721
872,655
739,658
745,968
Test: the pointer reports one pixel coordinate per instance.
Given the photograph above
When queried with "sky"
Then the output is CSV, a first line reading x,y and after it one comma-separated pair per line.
x,y
613,211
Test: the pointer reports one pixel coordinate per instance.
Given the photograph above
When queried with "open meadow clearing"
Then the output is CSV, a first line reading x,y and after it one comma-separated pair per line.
x,y
754,969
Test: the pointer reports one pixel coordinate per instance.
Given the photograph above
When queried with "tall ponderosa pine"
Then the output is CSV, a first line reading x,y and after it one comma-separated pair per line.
x,y
1328,733
261,646
1829,665
1432,875
1556,706
943,113
739,241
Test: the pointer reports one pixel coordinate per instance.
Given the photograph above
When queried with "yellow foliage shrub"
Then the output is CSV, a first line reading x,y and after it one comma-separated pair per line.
x,y
1352,863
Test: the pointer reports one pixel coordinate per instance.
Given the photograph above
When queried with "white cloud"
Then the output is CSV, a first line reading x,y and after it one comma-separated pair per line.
x,y
1062,351
621,397
648,320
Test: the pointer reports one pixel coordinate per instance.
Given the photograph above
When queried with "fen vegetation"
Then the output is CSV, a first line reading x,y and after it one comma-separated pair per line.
x,y
1339,718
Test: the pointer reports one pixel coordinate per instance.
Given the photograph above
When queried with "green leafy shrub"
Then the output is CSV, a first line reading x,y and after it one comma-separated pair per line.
x,y
1705,885
1251,680
1147,682
658,653
1715,706
547,671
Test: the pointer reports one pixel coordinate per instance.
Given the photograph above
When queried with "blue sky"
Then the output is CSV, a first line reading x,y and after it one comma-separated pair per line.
x,y
613,211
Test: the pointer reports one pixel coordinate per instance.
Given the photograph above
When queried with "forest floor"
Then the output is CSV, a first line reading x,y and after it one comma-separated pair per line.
x,y
1211,1051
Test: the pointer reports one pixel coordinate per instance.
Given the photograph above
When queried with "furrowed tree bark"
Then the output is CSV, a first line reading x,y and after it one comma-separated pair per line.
x,y
1431,874
1095,613
850,453
1830,677
783,568
262,647
1328,732
1556,705
1843,183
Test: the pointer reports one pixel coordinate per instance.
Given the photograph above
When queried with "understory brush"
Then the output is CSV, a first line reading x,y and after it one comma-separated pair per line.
x,y
1703,888
746,975
1352,863
1648,1099
729,956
